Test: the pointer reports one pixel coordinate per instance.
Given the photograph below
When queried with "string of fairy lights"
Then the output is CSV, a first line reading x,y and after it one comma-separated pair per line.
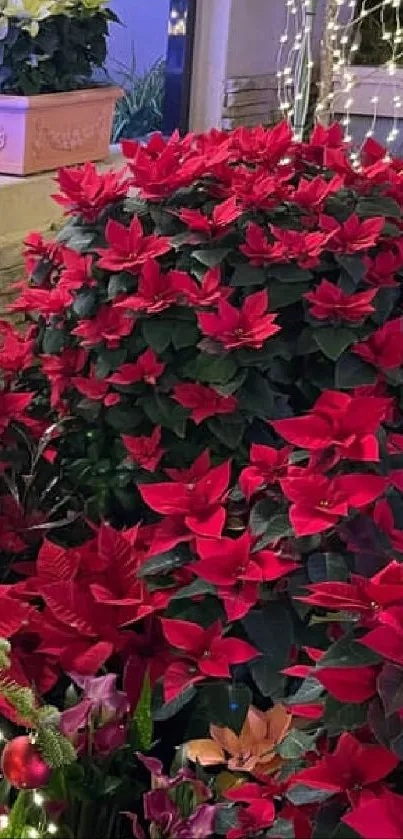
x,y
341,40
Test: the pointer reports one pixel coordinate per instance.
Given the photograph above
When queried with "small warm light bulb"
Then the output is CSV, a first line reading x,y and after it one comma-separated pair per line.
x,y
52,828
38,799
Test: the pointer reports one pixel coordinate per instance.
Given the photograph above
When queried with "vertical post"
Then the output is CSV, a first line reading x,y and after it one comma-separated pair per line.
x,y
326,63
304,69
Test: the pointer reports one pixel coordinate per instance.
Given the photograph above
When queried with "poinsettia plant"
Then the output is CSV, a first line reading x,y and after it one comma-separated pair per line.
x,y
217,337
51,46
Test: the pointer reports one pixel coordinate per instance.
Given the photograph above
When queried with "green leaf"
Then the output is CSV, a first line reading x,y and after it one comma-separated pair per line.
x,y
170,709
262,521
120,284
157,333
333,340
143,717
124,418
212,257
256,396
53,341
289,273
246,275
85,303
185,335
225,704
300,794
281,294
353,266
211,369
351,371
343,716
271,630
195,589
390,688
267,678
282,829
379,205
347,652
327,567
228,430
310,691
296,744
161,410
162,563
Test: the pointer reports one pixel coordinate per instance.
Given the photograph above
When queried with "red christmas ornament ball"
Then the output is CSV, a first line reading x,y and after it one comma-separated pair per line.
x,y
23,766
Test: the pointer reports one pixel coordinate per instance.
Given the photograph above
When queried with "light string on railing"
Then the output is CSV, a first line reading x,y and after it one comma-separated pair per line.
x,y
340,42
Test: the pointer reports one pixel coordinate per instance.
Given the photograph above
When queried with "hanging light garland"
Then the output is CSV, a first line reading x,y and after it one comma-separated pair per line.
x,y
341,40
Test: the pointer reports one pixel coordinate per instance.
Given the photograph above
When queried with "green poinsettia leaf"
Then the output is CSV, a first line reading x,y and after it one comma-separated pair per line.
x,y
333,340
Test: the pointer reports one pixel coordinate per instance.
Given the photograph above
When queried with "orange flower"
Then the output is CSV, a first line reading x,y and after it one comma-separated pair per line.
x,y
253,750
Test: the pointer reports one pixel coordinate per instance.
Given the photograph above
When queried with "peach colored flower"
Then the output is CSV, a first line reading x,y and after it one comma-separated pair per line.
x,y
253,750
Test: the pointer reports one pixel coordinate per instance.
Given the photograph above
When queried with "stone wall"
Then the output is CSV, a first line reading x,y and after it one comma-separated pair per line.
x,y
249,100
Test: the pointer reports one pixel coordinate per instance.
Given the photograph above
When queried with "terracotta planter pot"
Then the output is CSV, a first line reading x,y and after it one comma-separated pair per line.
x,y
40,133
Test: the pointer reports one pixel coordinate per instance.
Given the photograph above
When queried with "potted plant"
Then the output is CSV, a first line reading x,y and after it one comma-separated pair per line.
x,y
53,111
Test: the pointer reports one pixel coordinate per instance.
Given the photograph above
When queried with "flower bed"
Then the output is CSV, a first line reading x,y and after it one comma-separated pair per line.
x,y
218,360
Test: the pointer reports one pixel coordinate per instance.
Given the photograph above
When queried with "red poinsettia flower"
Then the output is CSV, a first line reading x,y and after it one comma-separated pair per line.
x,y
197,470
198,505
61,369
318,502
252,820
37,250
267,466
148,654
322,139
205,654
13,407
259,145
129,249
384,348
76,271
208,293
362,595
351,767
95,389
384,519
109,325
46,302
15,350
304,247
339,422
330,303
311,195
156,291
353,235
145,451
224,562
162,166
387,638
222,216
146,369
340,682
382,268
257,248
202,401
380,815
87,192
256,189
249,326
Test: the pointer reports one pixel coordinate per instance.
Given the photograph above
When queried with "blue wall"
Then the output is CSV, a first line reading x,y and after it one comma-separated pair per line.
x,y
145,25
